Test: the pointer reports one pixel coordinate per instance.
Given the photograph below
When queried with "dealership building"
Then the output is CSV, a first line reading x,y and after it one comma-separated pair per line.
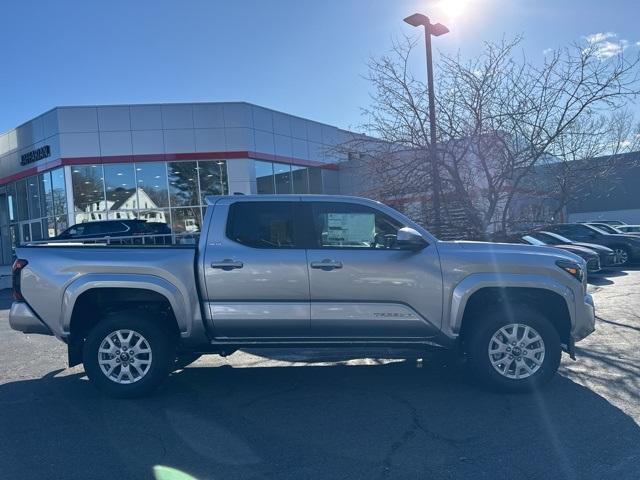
x,y
155,162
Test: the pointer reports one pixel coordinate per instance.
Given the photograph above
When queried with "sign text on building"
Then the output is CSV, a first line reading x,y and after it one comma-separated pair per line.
x,y
35,155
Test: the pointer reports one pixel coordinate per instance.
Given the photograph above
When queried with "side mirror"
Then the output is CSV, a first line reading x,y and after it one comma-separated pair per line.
x,y
410,239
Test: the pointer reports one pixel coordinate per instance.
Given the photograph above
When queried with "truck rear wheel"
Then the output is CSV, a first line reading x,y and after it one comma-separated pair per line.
x,y
128,354
513,352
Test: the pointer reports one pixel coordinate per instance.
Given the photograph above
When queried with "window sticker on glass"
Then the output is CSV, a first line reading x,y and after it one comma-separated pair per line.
x,y
356,229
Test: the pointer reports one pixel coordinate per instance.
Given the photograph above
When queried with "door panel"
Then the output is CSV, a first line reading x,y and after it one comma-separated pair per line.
x,y
260,287
260,319
330,319
376,293
362,285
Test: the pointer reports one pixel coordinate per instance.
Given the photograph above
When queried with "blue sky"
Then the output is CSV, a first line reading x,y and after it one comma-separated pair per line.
x,y
299,56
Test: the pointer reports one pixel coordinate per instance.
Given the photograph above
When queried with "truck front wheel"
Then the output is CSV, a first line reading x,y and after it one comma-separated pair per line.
x,y
128,354
515,351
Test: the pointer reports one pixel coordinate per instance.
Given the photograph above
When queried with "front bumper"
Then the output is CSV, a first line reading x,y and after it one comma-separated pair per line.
x,y
609,259
23,319
593,265
585,319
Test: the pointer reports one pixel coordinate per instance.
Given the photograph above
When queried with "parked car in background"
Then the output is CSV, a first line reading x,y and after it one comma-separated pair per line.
x,y
629,228
113,228
614,223
626,247
608,257
604,227
610,229
589,256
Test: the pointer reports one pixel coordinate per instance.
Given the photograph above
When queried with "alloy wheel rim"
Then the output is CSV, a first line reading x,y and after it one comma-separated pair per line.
x,y
516,351
622,255
125,356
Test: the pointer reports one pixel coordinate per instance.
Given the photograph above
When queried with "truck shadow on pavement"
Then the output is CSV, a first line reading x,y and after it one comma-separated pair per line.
x,y
391,421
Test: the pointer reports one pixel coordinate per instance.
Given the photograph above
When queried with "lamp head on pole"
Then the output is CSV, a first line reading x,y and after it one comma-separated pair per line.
x,y
418,20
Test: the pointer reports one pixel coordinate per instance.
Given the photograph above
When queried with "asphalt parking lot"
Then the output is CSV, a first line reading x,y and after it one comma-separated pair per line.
x,y
286,416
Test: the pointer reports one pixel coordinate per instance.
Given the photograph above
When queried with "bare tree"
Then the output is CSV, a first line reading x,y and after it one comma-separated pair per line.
x,y
499,117
587,155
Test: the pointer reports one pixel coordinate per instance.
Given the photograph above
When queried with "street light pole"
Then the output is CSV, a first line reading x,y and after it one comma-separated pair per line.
x,y
416,20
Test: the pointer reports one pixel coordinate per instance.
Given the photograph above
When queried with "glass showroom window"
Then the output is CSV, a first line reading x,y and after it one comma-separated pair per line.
x,y
121,193
300,179
55,202
88,193
33,196
315,180
213,178
158,215
21,196
12,202
265,182
46,193
153,192
283,177
183,184
59,192
186,220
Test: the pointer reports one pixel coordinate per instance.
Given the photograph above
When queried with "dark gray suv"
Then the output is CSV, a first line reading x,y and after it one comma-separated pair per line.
x,y
626,247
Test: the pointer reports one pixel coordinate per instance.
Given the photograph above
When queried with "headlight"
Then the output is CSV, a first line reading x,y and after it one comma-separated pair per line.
x,y
572,269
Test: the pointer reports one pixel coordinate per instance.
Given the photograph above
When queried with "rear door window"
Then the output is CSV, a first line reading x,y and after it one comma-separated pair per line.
x,y
263,224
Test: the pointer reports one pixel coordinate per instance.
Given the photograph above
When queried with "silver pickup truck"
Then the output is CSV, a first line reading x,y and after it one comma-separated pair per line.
x,y
297,271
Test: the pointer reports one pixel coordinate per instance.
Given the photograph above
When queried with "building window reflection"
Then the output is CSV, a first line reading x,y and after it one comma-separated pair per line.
x,y
186,220
183,183
152,179
273,177
162,192
21,196
265,183
300,179
315,180
59,192
282,174
12,202
213,178
88,193
121,192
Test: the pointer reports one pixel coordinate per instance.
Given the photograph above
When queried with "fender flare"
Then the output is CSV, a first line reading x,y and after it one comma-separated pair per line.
x,y
138,281
474,282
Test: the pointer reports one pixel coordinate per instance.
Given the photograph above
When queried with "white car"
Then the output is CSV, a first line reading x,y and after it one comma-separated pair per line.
x,y
628,228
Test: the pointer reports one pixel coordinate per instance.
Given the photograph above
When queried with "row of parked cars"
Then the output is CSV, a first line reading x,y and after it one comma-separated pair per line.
x,y
601,244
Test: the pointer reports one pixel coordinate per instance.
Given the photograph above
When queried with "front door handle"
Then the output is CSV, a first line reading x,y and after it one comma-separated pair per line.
x,y
327,264
227,264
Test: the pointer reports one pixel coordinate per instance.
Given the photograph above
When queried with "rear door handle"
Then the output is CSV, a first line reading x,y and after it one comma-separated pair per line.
x,y
327,264
227,264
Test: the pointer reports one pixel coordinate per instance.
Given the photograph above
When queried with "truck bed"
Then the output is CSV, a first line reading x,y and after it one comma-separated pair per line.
x,y
56,274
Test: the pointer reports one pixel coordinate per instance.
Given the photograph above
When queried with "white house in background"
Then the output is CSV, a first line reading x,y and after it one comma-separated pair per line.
x,y
125,204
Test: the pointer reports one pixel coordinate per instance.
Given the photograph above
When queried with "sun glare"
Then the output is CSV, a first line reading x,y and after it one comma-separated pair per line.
x,y
453,9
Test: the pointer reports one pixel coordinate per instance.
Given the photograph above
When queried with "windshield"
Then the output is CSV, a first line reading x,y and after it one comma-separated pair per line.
x,y
533,240
554,238
604,227
597,229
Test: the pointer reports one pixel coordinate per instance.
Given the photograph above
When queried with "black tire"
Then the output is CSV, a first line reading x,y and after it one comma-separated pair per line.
x,y
479,337
624,251
160,339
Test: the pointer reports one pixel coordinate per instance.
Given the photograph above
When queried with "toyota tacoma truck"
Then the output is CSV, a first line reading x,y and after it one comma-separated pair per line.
x,y
298,271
